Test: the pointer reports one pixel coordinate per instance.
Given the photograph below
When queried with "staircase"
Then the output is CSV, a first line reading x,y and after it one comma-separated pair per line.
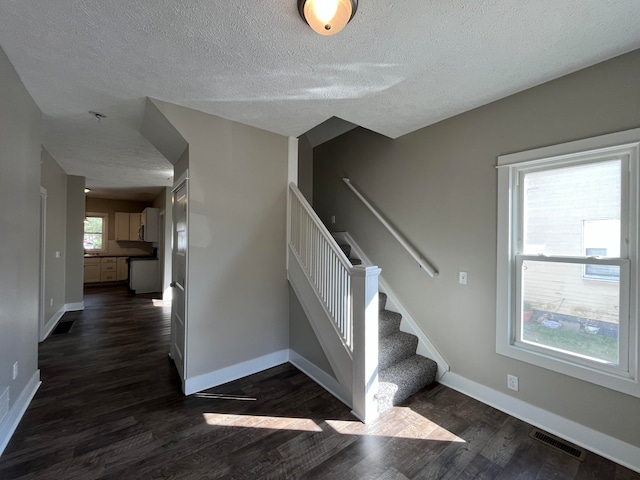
x,y
401,371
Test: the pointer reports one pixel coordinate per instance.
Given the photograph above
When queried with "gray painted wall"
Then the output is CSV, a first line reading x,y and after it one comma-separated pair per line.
x,y
438,187
302,338
74,280
182,165
237,287
54,179
19,231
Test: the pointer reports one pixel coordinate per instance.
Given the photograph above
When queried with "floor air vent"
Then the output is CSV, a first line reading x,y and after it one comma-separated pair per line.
x,y
558,444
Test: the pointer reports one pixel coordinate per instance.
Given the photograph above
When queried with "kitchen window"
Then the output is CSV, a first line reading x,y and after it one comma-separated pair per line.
x,y
568,259
95,232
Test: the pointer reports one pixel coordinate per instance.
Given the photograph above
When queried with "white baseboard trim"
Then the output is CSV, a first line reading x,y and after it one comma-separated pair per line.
x,y
51,323
594,441
234,372
319,376
74,307
55,318
11,421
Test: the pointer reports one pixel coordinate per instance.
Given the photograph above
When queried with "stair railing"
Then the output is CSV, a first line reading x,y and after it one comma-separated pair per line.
x,y
323,260
349,296
426,266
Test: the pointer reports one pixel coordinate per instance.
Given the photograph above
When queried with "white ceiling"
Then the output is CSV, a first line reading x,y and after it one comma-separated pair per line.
x,y
397,67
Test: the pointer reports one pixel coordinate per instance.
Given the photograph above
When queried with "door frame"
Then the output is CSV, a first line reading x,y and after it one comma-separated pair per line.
x,y
182,180
43,251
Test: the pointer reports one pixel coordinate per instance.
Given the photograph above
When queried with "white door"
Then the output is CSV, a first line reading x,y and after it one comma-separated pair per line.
x,y
179,254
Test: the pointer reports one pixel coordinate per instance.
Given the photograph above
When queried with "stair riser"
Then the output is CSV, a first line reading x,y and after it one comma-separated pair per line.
x,y
402,380
393,351
388,323
382,301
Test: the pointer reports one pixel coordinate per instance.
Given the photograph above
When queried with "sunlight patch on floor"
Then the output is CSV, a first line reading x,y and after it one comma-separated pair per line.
x,y
158,302
258,421
220,396
405,423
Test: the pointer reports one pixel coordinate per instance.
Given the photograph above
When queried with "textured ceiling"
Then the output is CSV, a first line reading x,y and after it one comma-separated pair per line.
x,y
398,66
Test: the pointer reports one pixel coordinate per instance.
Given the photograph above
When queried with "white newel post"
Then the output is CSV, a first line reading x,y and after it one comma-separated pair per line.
x,y
364,297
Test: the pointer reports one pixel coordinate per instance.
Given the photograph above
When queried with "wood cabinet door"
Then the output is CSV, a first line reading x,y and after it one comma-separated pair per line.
x,y
123,269
92,273
134,226
122,226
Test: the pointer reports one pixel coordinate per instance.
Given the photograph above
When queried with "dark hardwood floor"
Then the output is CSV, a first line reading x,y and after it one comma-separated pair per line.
x,y
110,407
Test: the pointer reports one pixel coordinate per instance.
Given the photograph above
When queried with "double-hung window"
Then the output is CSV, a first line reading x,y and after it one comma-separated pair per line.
x,y
567,260
95,233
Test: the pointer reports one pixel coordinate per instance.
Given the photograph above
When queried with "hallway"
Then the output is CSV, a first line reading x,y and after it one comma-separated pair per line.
x,y
110,407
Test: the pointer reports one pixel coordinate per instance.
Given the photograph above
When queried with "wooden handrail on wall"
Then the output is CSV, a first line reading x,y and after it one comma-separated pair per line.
x,y
426,266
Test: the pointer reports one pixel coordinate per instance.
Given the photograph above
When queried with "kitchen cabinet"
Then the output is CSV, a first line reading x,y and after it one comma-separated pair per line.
x,y
149,224
108,269
105,269
122,269
127,226
134,227
91,270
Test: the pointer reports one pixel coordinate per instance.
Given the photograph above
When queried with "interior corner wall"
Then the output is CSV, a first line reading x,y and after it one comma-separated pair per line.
x,y
182,165
20,121
54,179
237,284
438,187
74,278
305,168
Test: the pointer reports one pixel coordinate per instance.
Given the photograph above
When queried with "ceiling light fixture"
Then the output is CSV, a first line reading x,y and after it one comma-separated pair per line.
x,y
87,190
327,17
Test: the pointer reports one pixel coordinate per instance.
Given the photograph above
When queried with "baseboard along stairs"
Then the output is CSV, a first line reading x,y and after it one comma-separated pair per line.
x,y
401,371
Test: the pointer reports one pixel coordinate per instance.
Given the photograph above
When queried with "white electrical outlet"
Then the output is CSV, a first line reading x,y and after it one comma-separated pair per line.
x,y
51,302
512,382
462,278
15,370
333,219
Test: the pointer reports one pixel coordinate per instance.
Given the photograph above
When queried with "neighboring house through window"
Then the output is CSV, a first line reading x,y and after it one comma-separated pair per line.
x,y
602,239
95,232
568,256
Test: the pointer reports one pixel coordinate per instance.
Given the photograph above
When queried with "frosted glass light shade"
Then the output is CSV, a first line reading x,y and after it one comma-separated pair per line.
x,y
327,17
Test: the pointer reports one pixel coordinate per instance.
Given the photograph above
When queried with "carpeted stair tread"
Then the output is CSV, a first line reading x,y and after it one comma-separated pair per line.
x,y
382,301
346,249
401,371
388,323
403,379
396,347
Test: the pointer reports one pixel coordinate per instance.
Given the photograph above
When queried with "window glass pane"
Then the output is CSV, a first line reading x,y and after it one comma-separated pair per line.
x,y
93,225
571,208
92,241
600,272
563,311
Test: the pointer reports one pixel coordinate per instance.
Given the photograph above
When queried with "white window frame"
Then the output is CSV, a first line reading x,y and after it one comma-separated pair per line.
x,y
625,145
105,232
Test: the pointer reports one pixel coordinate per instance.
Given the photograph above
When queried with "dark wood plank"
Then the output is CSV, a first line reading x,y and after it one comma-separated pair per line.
x,y
110,407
